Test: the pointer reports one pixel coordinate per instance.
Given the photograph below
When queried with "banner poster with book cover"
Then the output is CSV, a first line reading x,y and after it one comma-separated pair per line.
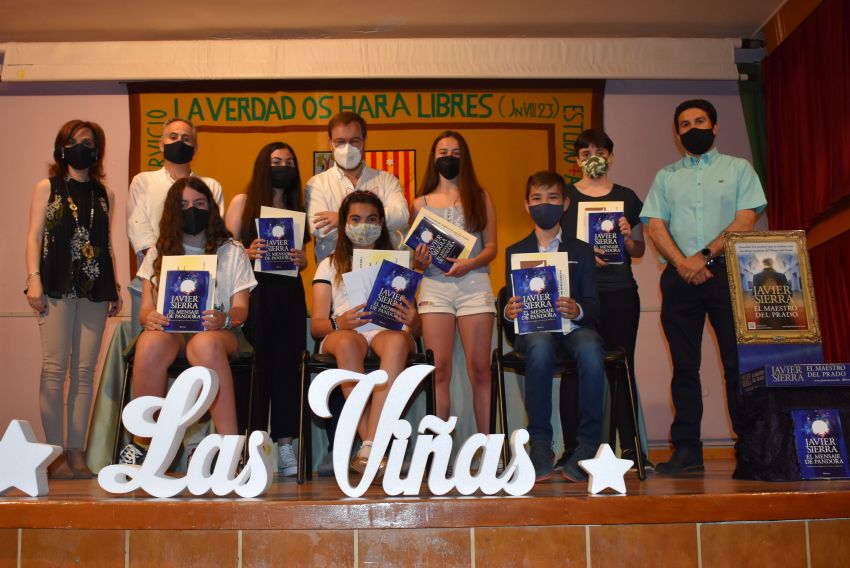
x,y
771,287
821,448
186,289
538,289
505,122
604,234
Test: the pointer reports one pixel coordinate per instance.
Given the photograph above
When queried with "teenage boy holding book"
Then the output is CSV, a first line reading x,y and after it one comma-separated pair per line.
x,y
545,201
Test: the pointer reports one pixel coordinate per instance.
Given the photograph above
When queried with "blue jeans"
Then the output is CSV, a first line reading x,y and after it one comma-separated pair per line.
x,y
584,346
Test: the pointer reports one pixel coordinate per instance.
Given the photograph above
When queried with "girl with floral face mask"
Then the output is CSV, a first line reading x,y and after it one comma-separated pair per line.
x,y
618,296
335,321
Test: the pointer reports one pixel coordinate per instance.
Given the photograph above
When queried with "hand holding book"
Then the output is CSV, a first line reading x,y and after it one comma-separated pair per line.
x,y
353,318
421,257
154,321
259,248
460,266
214,319
567,307
405,312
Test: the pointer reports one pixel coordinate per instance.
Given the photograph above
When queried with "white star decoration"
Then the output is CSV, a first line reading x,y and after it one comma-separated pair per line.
x,y
23,461
606,471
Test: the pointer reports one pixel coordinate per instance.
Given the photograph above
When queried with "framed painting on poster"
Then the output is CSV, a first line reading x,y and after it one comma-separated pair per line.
x,y
771,286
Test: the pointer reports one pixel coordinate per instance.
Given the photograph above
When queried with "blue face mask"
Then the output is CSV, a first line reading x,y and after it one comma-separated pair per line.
x,y
546,215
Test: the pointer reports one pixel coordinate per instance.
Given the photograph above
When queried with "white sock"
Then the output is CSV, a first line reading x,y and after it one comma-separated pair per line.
x,y
365,449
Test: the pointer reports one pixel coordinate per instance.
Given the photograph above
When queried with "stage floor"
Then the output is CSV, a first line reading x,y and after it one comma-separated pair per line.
x,y
319,504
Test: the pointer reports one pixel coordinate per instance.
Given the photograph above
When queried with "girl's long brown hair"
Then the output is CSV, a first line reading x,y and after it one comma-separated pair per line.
x,y
59,167
341,258
471,192
170,241
260,192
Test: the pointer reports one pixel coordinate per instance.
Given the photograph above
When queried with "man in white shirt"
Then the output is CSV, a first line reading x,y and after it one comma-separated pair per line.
x,y
178,144
324,192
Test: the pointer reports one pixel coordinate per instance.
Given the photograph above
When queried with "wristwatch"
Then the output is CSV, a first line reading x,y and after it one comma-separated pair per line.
x,y
334,323
706,254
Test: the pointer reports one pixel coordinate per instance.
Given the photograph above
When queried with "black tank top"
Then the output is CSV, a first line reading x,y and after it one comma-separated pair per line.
x,y
76,256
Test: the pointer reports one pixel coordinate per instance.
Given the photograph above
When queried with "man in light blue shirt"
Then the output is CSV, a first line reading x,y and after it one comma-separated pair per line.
x,y
689,206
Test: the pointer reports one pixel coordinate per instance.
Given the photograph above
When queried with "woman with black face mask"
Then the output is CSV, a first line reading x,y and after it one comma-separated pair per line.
x,y
461,298
192,224
618,295
71,283
277,327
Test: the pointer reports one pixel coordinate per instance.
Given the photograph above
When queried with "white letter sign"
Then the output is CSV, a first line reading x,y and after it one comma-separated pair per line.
x,y
189,398
393,433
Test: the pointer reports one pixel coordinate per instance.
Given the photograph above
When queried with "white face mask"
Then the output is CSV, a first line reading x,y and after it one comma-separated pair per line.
x,y
347,156
362,234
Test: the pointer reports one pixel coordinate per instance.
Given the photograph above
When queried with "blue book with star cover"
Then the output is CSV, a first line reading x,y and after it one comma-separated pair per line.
x,y
538,289
392,283
604,233
821,449
280,237
439,242
185,299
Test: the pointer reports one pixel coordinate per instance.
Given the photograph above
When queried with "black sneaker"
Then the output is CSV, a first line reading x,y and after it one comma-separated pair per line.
x,y
132,454
683,460
571,470
542,457
559,465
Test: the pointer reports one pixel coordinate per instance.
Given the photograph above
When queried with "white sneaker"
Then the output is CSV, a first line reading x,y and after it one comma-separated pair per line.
x,y
287,464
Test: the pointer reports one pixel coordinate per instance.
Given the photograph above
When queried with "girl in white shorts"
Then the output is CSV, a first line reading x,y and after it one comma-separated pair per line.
x,y
336,321
462,296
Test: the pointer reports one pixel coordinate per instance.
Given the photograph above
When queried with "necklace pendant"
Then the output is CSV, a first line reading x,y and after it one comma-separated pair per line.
x,y
87,250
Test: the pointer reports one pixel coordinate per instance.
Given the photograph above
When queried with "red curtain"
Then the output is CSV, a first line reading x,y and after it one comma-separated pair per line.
x,y
832,294
807,98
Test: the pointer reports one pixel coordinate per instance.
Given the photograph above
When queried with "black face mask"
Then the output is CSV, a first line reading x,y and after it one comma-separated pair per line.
x,y
283,177
79,157
546,215
194,220
178,152
697,141
448,166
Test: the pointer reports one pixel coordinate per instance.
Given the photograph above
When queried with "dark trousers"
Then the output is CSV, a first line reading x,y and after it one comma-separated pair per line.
x,y
277,329
619,318
683,310
541,349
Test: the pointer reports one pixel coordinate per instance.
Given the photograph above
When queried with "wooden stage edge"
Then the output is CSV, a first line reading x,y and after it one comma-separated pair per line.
x,y
319,504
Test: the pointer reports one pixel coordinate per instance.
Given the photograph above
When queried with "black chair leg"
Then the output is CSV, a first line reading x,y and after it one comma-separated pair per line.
x,y
499,380
632,392
430,386
119,428
251,398
304,439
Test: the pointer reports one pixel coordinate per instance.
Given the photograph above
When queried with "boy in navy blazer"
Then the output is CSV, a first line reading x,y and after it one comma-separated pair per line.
x,y
546,201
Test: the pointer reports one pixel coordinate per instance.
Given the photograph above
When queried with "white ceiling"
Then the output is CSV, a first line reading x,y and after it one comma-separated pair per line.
x,y
111,20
